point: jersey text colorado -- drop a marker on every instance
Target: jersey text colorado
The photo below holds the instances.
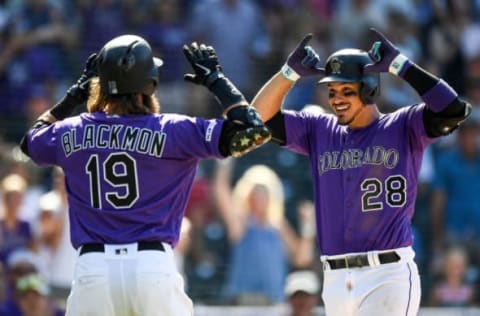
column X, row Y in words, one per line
column 355, row 157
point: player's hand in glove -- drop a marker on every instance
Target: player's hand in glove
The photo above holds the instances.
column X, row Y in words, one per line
column 386, row 56
column 204, row 62
column 303, row 61
column 78, row 93
column 80, row 89
column 244, row 130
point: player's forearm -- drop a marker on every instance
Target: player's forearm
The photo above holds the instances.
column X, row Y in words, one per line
column 268, row 100
column 436, row 93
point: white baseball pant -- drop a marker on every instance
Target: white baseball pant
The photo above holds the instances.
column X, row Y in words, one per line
column 125, row 281
column 377, row 289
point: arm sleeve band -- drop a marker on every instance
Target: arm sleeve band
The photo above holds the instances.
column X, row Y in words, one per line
column 436, row 93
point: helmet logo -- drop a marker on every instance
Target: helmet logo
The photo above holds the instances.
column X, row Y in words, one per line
column 336, row 64
column 112, row 87
column 127, row 62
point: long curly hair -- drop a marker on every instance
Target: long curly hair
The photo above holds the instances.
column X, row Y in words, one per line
column 120, row 104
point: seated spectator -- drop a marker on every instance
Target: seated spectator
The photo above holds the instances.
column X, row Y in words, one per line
column 453, row 289
column 20, row 263
column 33, row 297
column 263, row 244
column 302, row 291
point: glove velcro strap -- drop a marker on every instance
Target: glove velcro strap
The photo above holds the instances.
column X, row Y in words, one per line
column 226, row 92
column 397, row 64
column 242, row 103
column 289, row 73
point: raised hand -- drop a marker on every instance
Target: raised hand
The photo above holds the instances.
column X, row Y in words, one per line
column 80, row 89
column 205, row 64
column 386, row 56
column 303, row 61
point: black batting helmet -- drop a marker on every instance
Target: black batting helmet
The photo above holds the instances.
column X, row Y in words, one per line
column 346, row 65
column 126, row 65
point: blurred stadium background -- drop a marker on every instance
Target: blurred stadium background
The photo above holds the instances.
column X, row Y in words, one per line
column 44, row 43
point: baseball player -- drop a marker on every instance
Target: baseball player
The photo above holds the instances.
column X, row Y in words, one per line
column 129, row 170
column 364, row 165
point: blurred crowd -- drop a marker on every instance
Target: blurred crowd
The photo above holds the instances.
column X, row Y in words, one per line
column 231, row 254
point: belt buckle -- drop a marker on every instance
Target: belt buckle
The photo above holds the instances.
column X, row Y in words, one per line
column 356, row 261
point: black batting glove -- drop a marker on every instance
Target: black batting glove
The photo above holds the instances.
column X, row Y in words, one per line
column 78, row 93
column 204, row 62
column 244, row 130
column 80, row 89
column 208, row 72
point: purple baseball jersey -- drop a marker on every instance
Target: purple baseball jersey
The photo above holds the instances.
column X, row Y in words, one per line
column 128, row 178
column 365, row 180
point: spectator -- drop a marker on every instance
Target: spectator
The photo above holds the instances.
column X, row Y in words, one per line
column 206, row 256
column 166, row 30
column 302, row 291
column 33, row 297
column 15, row 232
column 55, row 247
column 455, row 204
column 20, row 264
column 247, row 38
column 453, row 289
column 259, row 234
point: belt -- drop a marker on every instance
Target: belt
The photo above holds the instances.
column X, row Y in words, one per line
column 358, row 261
column 141, row 245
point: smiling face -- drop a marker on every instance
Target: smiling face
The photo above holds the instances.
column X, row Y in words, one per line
column 345, row 102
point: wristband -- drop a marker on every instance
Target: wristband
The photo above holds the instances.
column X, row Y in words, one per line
column 226, row 92
column 397, row 64
column 289, row 73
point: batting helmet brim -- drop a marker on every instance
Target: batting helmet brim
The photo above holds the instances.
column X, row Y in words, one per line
column 339, row 79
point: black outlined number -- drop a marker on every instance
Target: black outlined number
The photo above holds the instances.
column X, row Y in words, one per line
column 119, row 170
column 372, row 189
column 395, row 193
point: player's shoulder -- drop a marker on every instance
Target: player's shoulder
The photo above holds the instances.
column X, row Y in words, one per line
column 404, row 112
column 311, row 111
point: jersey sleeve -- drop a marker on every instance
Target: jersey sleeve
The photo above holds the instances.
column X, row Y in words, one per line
column 42, row 144
column 195, row 137
column 301, row 127
column 416, row 126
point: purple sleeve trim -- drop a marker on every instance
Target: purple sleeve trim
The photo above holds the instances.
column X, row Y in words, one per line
column 439, row 96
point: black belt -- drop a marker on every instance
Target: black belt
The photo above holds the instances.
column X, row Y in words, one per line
column 358, row 261
column 141, row 245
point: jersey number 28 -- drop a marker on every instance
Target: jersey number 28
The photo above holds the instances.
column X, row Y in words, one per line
column 395, row 189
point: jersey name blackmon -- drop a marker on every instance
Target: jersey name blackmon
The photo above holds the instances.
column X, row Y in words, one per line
column 114, row 137
column 356, row 157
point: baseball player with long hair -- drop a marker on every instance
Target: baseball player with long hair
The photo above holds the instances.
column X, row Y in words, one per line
column 129, row 171
column 365, row 167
